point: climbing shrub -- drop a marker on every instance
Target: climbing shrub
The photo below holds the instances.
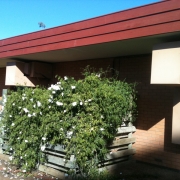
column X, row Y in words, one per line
column 82, row 115
column 23, row 116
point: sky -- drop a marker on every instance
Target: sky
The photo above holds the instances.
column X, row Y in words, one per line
column 22, row 16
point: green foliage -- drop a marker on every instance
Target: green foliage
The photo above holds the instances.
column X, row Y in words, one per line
column 96, row 175
column 82, row 115
column 22, row 119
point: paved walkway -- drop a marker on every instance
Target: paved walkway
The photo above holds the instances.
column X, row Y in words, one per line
column 127, row 171
column 143, row 171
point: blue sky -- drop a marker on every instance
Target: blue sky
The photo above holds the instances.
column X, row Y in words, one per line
column 22, row 16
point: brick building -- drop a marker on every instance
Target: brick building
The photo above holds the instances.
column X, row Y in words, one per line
column 141, row 43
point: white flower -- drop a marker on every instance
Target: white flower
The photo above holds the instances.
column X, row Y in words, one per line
column 20, row 132
column 18, row 138
column 34, row 106
column 40, row 113
column 34, row 114
column 65, row 78
column 62, row 94
column 73, row 87
column 50, row 96
column 29, row 115
column 64, row 111
column 10, row 158
column 24, row 94
column 98, row 75
column 81, row 103
column 69, row 134
column 33, row 92
column 43, row 138
column 23, row 98
column 19, row 107
column 102, row 129
column 21, row 157
column 26, row 141
column 50, row 100
column 31, row 99
column 58, row 82
column 59, row 103
column 25, row 110
column 92, row 128
column 13, row 104
column 24, row 170
column 38, row 104
column 49, row 107
column 43, row 148
column 54, row 87
column 102, row 116
column 53, row 92
column 74, row 103
column 61, row 129
column 10, row 116
column 12, row 124
column 89, row 100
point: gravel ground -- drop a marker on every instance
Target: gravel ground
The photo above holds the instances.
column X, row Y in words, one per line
column 8, row 172
column 125, row 171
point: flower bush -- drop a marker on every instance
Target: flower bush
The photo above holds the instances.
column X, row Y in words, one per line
column 22, row 118
column 82, row 115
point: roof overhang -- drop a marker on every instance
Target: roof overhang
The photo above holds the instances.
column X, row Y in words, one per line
column 128, row 32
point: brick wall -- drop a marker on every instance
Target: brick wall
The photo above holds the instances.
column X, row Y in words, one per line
column 155, row 103
column 74, row 68
column 154, row 122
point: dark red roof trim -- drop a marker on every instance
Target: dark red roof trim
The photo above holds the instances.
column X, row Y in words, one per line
column 158, row 18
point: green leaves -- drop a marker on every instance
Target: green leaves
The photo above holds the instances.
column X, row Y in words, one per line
column 82, row 115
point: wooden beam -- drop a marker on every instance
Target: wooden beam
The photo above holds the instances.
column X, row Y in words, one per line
column 124, row 141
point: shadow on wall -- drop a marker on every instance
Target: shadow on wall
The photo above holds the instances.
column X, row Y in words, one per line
column 2, row 79
column 155, row 102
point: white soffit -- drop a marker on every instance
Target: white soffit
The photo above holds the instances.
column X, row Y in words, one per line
column 165, row 68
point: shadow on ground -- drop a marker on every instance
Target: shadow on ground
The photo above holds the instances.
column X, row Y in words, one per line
column 133, row 170
column 130, row 170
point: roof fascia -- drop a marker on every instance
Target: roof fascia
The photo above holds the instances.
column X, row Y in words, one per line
column 145, row 10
